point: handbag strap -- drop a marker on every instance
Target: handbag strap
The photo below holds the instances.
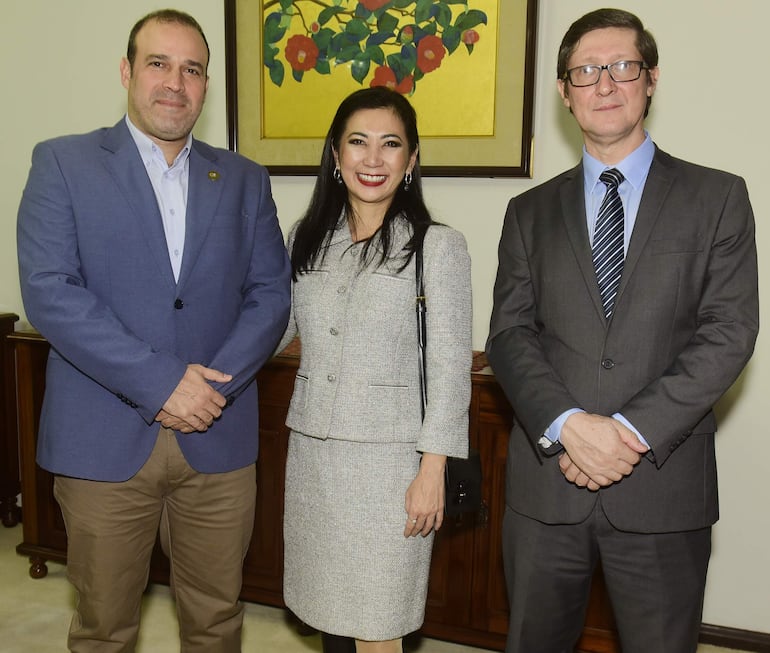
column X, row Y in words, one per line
column 421, row 330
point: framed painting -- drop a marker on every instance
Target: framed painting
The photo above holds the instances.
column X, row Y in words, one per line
column 467, row 67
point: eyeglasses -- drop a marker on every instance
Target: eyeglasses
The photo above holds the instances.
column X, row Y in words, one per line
column 620, row 71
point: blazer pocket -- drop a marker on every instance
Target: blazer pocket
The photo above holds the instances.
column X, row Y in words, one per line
column 299, row 396
column 676, row 245
column 390, row 293
column 385, row 413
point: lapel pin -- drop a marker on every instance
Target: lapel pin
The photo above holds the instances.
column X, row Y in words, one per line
column 213, row 175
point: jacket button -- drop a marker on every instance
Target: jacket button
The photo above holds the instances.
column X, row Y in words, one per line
column 178, row 304
column 331, row 377
column 333, row 331
column 608, row 363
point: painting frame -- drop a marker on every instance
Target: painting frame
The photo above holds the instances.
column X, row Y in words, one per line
column 505, row 154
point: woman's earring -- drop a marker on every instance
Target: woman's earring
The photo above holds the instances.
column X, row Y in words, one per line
column 407, row 180
column 337, row 174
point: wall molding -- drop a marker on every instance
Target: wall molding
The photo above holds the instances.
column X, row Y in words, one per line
column 741, row 640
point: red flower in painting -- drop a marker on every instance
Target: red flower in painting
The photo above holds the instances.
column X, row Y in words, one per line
column 301, row 52
column 430, row 52
column 470, row 36
column 371, row 5
column 384, row 76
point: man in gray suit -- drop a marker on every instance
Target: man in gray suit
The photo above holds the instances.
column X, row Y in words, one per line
column 625, row 305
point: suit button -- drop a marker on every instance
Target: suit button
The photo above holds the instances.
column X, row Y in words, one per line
column 333, row 331
column 608, row 363
column 178, row 304
column 331, row 378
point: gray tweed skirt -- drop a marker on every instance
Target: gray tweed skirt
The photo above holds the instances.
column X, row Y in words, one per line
column 348, row 569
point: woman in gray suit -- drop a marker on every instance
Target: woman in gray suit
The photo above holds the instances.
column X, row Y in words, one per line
column 365, row 476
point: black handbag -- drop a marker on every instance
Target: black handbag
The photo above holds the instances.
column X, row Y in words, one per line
column 462, row 475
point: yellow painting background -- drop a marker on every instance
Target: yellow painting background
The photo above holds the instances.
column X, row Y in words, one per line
column 456, row 99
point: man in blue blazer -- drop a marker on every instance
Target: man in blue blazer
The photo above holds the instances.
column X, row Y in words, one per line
column 625, row 305
column 155, row 267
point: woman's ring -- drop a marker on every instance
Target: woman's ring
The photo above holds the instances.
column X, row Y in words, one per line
column 414, row 521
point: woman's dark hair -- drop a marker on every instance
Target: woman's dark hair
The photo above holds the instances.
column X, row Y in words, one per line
column 331, row 198
column 601, row 19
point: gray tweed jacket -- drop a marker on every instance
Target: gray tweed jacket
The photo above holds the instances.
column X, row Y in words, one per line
column 358, row 376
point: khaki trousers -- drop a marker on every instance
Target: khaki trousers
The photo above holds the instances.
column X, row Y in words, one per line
column 205, row 523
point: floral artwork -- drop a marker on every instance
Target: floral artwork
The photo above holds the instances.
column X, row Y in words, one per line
column 393, row 43
column 467, row 67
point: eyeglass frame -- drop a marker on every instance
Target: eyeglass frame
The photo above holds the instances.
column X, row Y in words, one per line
column 642, row 66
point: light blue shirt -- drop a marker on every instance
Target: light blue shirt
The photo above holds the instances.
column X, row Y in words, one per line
column 170, row 185
column 634, row 168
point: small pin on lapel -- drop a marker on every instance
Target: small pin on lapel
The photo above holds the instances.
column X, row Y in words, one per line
column 213, row 175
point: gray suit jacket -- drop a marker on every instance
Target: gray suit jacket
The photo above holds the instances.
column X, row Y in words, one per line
column 684, row 326
column 358, row 376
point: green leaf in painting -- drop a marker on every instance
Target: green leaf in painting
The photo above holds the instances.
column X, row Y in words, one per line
column 348, row 53
column 470, row 19
column 376, row 54
column 451, row 39
column 422, row 11
column 360, row 68
column 378, row 38
column 268, row 53
column 387, row 23
column 327, row 14
column 276, row 73
column 323, row 39
column 357, row 28
column 273, row 32
column 443, row 14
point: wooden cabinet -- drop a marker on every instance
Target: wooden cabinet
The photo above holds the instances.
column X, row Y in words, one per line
column 466, row 598
column 9, row 444
column 43, row 527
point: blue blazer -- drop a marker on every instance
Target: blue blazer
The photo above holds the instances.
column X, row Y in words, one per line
column 97, row 282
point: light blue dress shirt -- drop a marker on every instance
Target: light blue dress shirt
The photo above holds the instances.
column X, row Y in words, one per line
column 634, row 168
column 170, row 185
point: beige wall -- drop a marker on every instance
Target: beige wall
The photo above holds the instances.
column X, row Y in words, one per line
column 60, row 75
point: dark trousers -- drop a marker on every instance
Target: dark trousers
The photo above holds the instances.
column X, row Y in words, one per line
column 655, row 582
column 337, row 644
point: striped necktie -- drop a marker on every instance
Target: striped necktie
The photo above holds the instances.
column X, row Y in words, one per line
column 608, row 240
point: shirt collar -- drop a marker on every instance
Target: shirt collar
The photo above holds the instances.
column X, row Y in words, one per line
column 149, row 151
column 634, row 167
